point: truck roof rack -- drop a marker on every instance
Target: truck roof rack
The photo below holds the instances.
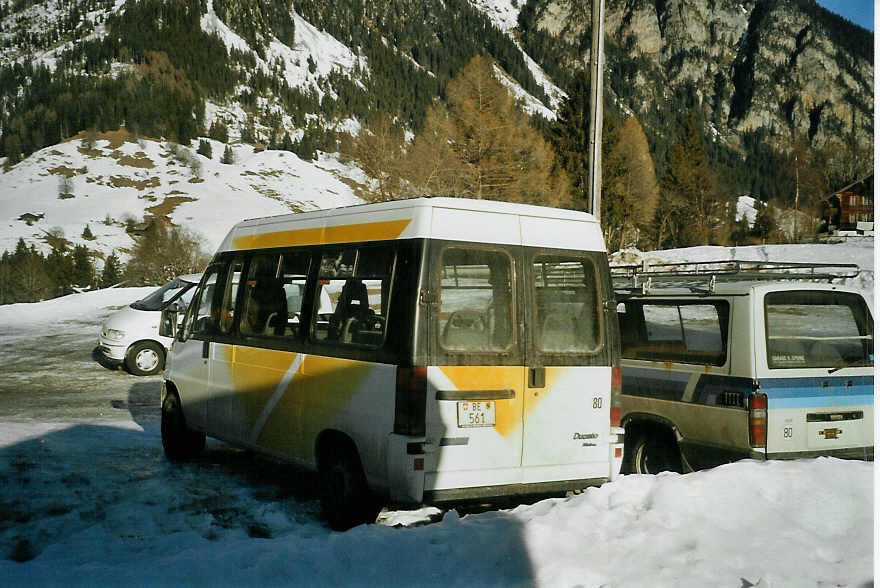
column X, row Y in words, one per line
column 701, row 276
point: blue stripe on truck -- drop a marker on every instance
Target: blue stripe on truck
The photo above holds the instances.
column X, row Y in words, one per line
column 820, row 401
column 818, row 391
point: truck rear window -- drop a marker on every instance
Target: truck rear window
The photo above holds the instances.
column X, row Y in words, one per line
column 810, row 328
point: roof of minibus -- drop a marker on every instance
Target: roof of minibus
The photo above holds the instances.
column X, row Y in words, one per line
column 459, row 219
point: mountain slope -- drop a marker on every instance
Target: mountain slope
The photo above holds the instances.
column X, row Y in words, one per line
column 760, row 71
column 112, row 181
column 293, row 74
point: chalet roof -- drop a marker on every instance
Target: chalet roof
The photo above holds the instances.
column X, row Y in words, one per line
column 862, row 187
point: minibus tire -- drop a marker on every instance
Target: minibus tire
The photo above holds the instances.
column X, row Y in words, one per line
column 179, row 441
column 142, row 350
column 653, row 453
column 345, row 497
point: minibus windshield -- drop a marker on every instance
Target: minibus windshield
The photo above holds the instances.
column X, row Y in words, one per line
column 814, row 328
column 160, row 298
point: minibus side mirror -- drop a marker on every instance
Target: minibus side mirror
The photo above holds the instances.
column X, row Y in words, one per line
column 168, row 322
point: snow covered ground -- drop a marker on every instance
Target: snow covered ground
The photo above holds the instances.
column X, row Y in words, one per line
column 88, row 499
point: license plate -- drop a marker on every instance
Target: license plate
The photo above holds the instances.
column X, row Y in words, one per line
column 473, row 413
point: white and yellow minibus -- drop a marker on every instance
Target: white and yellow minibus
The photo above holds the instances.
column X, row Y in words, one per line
column 423, row 350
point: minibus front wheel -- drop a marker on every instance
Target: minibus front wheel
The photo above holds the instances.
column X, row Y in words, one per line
column 345, row 496
column 179, row 441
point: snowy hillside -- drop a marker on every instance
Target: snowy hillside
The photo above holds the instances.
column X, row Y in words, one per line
column 103, row 184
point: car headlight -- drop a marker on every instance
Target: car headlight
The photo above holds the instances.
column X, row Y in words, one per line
column 113, row 334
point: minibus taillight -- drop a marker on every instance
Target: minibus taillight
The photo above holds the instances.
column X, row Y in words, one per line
column 616, row 389
column 409, row 401
column 758, row 420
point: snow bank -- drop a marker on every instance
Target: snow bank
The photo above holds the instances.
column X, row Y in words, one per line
column 74, row 307
column 111, row 511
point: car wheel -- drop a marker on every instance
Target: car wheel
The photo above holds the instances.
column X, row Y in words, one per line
column 653, row 453
column 179, row 441
column 345, row 497
column 145, row 358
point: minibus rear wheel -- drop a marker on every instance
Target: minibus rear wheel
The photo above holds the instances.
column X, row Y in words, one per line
column 345, row 497
column 179, row 441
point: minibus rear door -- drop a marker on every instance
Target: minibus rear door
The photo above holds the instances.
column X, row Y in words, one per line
column 475, row 389
column 568, row 389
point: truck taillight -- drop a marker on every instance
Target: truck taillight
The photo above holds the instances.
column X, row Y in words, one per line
column 409, row 401
column 616, row 388
column 758, row 420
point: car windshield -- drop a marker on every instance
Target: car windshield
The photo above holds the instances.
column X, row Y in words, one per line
column 809, row 329
column 159, row 299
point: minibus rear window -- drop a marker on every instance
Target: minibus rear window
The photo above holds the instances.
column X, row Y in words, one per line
column 476, row 301
column 814, row 328
column 566, row 304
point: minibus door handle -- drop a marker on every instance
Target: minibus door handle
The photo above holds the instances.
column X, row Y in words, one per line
column 206, row 346
column 537, row 377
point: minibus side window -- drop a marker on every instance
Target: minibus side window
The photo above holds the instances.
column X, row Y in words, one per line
column 206, row 310
column 273, row 294
column 264, row 306
column 230, row 293
column 353, row 296
column 294, row 274
column 475, row 312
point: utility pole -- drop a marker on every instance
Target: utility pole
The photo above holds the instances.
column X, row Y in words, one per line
column 797, row 193
column 597, row 61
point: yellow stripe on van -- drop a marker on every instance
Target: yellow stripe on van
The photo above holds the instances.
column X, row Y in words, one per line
column 509, row 414
column 321, row 391
column 375, row 231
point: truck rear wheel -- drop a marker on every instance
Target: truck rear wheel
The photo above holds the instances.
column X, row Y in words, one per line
column 652, row 453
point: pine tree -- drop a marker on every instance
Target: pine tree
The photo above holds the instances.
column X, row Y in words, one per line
column 691, row 206
column 484, row 145
column 629, row 185
column 6, row 278
column 112, row 272
column 568, row 135
column 30, row 282
column 87, row 234
column 378, row 151
column 219, row 131
column 59, row 267
column 205, row 149
column 163, row 253
column 228, row 156
column 83, row 271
